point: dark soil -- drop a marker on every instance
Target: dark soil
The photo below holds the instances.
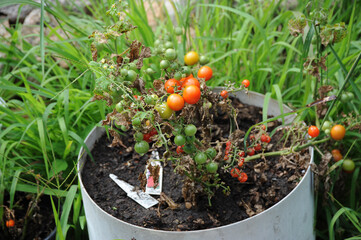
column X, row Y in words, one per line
column 269, row 180
column 38, row 224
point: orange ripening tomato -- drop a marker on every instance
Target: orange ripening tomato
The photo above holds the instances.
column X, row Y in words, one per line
column 337, row 156
column 175, row 102
column 245, row 83
column 334, row 151
column 10, row 223
column 191, row 58
column 224, row 94
column 170, row 84
column 205, row 72
column 190, row 81
column 191, row 94
column 338, row 132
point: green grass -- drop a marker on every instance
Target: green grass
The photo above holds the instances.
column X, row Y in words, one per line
column 49, row 109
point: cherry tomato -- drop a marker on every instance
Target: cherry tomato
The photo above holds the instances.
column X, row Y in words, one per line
column 138, row 136
column 191, row 58
column 313, row 131
column 258, row 147
column 164, row 110
column 146, row 137
column 334, row 151
column 179, row 140
column 164, row 64
column 180, row 149
column 240, row 162
column 252, row 138
column 224, row 94
column 119, row 106
column 338, row 132
column 250, row 151
column 263, row 127
column 178, row 31
column 141, row 147
column 200, row 158
column 245, row 83
column 337, row 156
column 190, row 81
column 170, row 54
column 10, row 223
column 170, row 84
column 190, row 130
column 211, row 153
column 203, row 60
column 235, row 172
column 241, row 154
column 205, row 72
column 326, row 125
column 131, row 75
column 191, row 94
column 243, row 177
column 175, row 102
column 212, row 167
column 136, row 122
column 348, row 165
column 153, row 132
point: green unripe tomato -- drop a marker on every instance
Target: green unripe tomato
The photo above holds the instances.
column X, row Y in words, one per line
column 203, row 60
column 207, row 105
column 149, row 71
column 212, row 167
column 178, row 31
column 157, row 42
column 132, row 75
column 328, row 131
column 344, row 97
column 124, row 128
column 190, row 130
column 211, row 153
column 168, row 45
column 166, row 38
column 177, row 76
column 326, row 125
column 189, row 148
column 350, row 96
column 179, row 140
column 119, row 106
column 136, row 122
column 200, row 158
column 190, row 139
column 170, row 54
column 124, row 72
column 348, row 165
column 138, row 136
column 164, row 110
column 141, row 147
column 132, row 66
column 177, row 131
column 151, row 99
column 186, row 70
column 164, row 64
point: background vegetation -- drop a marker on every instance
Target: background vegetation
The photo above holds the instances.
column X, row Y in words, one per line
column 47, row 89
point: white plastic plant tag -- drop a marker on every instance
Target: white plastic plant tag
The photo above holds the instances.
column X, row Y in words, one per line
column 154, row 175
column 139, row 196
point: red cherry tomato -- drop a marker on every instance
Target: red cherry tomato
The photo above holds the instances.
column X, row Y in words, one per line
column 243, row 177
column 224, row 94
column 313, row 131
column 146, row 137
column 190, row 81
column 258, row 147
column 205, row 72
column 250, row 151
column 170, row 84
column 175, row 102
column 10, row 223
column 240, row 162
column 245, row 83
column 235, row 172
column 180, row 149
column 191, row 94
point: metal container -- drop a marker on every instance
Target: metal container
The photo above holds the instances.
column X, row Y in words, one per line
column 291, row 218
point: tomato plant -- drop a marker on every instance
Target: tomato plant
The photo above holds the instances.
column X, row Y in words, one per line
column 313, row 131
column 175, row 102
column 172, row 84
column 191, row 94
column 205, row 72
column 191, row 58
column 338, row 132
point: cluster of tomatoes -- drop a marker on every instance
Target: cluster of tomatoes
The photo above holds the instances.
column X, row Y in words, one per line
column 337, row 132
column 188, row 89
column 236, row 172
column 225, row 94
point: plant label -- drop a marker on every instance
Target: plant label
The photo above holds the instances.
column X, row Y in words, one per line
column 154, row 175
column 139, row 196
